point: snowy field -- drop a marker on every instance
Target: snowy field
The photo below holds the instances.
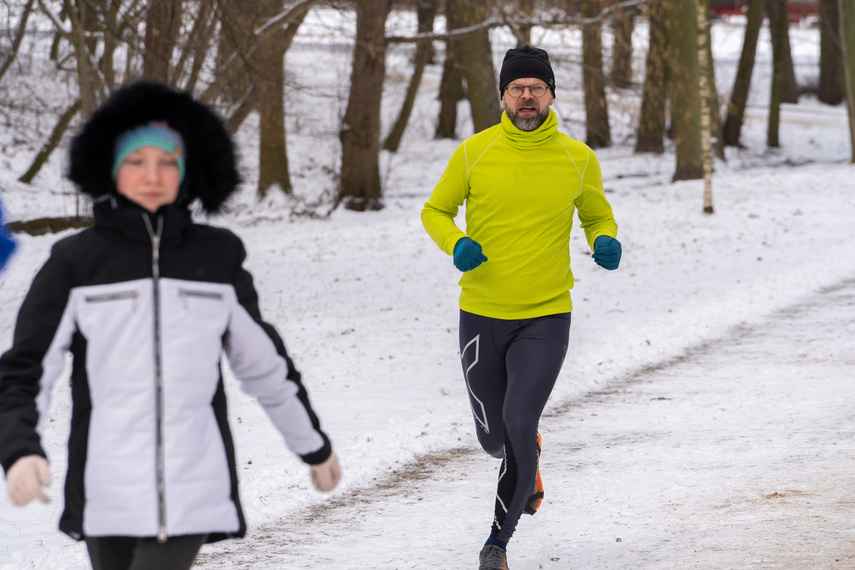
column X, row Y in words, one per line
column 367, row 306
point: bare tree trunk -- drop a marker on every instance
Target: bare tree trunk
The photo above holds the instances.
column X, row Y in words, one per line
column 779, row 20
column 16, row 41
column 272, row 152
column 681, row 33
column 53, row 141
column 847, row 37
column 252, row 47
column 237, row 43
column 598, row 134
column 474, row 57
column 831, row 90
column 523, row 33
column 201, row 47
column 195, row 47
column 705, row 63
column 450, row 93
column 232, row 76
column 735, row 115
column 236, row 82
column 360, row 187
column 572, row 7
column 451, row 85
column 243, row 110
column 161, row 28
column 111, row 40
column 623, row 24
column 85, row 77
column 651, row 123
column 273, row 167
column 778, row 73
column 426, row 13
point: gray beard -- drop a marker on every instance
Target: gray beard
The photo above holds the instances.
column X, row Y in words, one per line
column 528, row 124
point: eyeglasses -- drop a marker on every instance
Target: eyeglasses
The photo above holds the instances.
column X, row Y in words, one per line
column 516, row 90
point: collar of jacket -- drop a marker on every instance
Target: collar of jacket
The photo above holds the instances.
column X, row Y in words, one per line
column 120, row 217
column 528, row 139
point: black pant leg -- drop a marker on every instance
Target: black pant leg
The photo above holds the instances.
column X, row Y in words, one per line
column 132, row 553
column 111, row 552
column 177, row 553
column 534, row 359
column 486, row 379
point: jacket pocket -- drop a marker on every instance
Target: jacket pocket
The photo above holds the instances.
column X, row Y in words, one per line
column 210, row 295
column 107, row 297
column 196, row 320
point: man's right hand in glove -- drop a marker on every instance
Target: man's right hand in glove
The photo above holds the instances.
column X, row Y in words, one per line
column 467, row 254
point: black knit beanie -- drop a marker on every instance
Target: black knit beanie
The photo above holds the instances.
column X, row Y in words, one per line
column 526, row 61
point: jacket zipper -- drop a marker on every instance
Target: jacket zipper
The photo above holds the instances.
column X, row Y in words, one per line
column 158, row 371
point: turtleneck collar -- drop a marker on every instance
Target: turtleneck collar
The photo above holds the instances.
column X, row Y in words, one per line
column 119, row 216
column 528, row 139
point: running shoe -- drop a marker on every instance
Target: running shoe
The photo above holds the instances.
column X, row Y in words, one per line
column 493, row 558
column 536, row 496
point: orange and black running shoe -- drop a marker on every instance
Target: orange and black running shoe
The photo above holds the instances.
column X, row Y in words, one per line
column 536, row 497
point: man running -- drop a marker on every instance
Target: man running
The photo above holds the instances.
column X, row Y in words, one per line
column 521, row 182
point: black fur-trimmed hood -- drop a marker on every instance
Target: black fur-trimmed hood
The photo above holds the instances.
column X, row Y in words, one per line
column 210, row 168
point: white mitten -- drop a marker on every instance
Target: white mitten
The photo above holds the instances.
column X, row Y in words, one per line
column 25, row 479
column 326, row 475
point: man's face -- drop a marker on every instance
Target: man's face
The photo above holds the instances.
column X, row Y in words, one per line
column 526, row 111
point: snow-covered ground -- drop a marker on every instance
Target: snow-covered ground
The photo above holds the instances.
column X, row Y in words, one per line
column 682, row 464
column 367, row 305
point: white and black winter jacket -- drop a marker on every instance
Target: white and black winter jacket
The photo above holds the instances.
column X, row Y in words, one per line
column 147, row 304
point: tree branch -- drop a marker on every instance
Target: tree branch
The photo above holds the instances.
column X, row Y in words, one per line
column 19, row 35
column 497, row 22
column 286, row 17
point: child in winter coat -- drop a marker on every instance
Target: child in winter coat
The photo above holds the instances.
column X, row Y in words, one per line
column 146, row 301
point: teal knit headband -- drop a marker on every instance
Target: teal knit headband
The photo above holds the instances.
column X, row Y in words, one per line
column 153, row 134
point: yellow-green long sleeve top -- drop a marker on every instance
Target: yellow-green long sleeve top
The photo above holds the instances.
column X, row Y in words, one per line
column 520, row 190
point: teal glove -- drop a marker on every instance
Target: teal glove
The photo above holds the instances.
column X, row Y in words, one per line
column 607, row 252
column 467, row 254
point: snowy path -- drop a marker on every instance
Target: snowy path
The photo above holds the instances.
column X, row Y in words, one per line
column 727, row 457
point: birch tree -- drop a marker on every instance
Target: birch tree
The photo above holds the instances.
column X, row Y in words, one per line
column 705, row 62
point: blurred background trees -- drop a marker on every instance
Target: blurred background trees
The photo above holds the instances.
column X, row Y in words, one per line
column 231, row 54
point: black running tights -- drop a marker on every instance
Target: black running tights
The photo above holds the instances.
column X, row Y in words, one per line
column 510, row 367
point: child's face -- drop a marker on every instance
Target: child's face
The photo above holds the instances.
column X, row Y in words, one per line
column 149, row 176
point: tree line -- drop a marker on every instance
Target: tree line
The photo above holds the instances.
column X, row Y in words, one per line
column 230, row 54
